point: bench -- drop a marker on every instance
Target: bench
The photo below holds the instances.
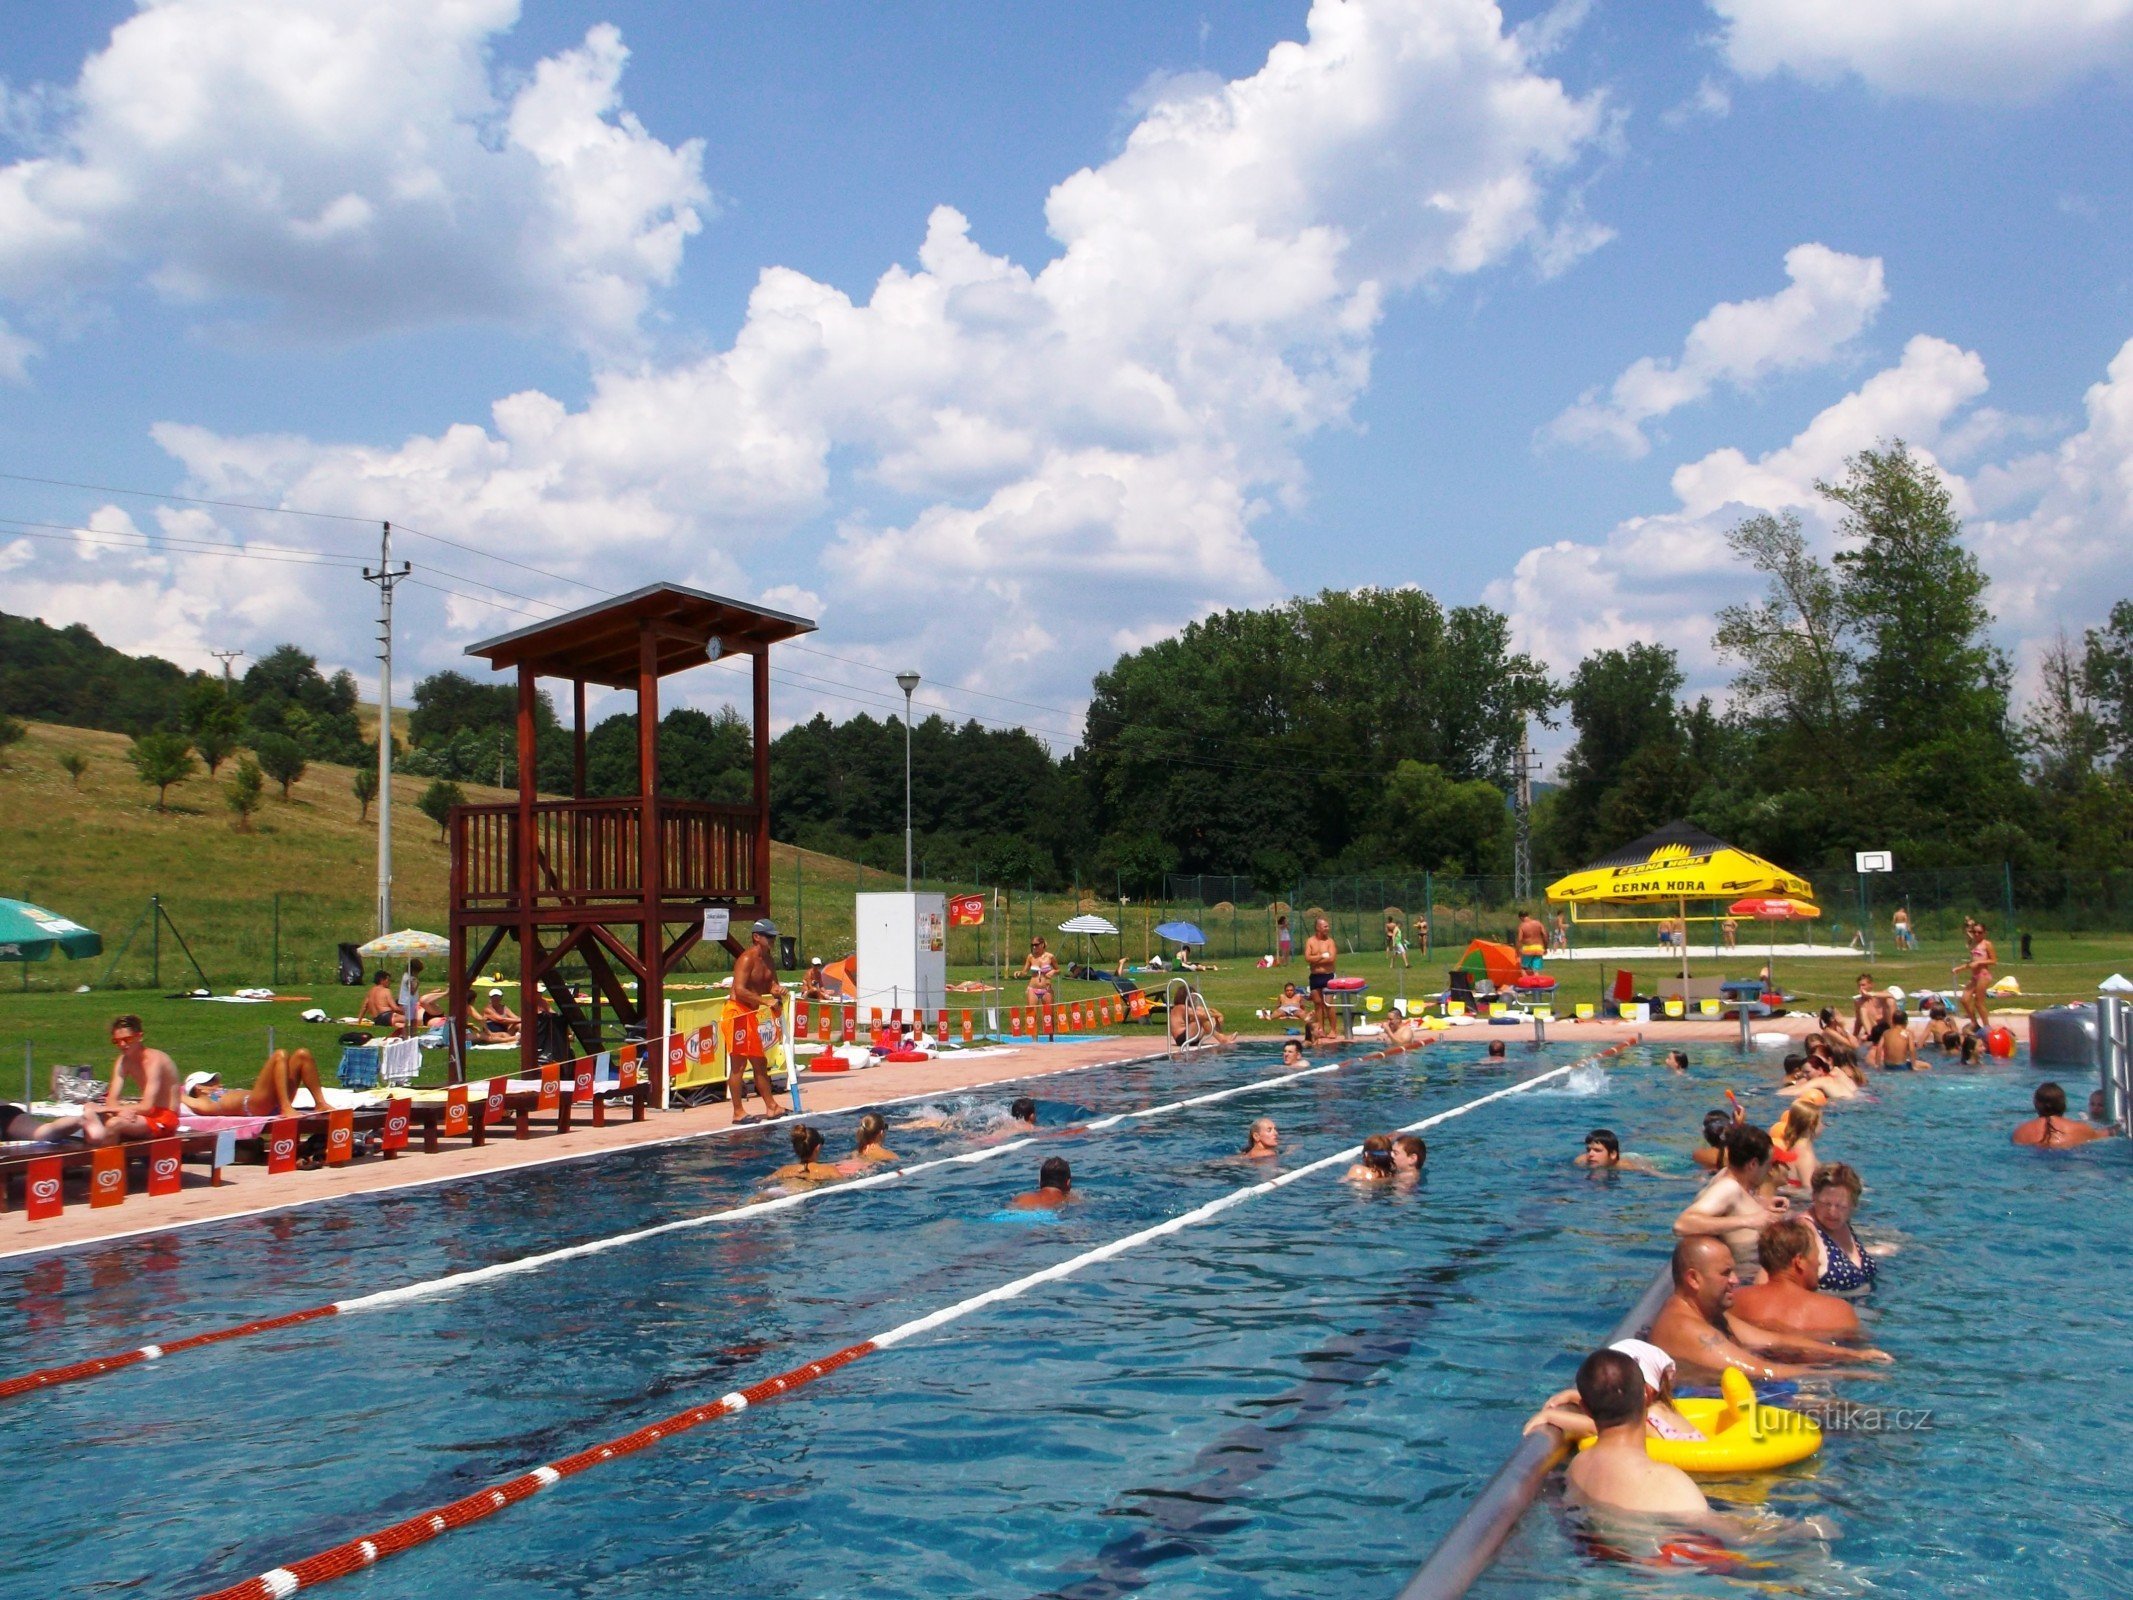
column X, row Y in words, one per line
column 522, row 1106
column 210, row 1149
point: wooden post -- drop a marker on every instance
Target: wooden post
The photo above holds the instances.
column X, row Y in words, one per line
column 651, row 948
column 577, row 738
column 761, row 731
column 527, row 872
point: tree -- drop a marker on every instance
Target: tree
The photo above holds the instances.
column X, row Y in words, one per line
column 366, row 788
column 437, row 802
column 213, row 722
column 1915, row 599
column 284, row 692
column 74, row 764
column 69, row 676
column 12, row 731
column 1620, row 702
column 2107, row 683
column 2062, row 731
column 162, row 759
column 281, row 758
column 1795, row 649
column 243, row 794
column 1433, row 821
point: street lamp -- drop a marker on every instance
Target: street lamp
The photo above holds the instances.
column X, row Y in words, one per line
column 907, row 681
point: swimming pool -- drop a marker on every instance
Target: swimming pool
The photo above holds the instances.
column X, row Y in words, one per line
column 1297, row 1398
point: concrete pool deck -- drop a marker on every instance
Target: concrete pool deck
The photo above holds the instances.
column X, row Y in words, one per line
column 249, row 1190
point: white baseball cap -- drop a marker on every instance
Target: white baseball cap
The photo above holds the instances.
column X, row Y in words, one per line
column 193, row 1080
column 1656, row 1365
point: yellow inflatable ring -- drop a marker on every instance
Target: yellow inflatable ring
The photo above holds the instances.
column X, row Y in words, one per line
column 1741, row 1435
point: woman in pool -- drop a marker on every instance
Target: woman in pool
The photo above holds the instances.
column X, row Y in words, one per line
column 2052, row 1128
column 1262, row 1141
column 1716, row 1125
column 805, row 1170
column 1792, row 1144
column 867, row 1145
column 1844, row 1265
column 1376, row 1165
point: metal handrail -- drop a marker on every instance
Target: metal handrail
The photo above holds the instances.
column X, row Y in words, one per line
column 1464, row 1553
column 1193, row 1004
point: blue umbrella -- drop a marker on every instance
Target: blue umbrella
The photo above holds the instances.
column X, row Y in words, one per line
column 1181, row 933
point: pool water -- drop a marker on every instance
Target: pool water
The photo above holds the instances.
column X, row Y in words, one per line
column 1297, row 1398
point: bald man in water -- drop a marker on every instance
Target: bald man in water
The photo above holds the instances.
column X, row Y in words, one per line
column 1695, row 1328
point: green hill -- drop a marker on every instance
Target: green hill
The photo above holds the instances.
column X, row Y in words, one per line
column 266, row 907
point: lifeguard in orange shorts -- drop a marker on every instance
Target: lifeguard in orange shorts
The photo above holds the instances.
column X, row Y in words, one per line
column 755, row 985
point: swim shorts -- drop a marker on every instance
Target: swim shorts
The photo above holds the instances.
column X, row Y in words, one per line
column 8, row 1114
column 1319, row 980
column 161, row 1123
column 741, row 1029
column 1530, row 961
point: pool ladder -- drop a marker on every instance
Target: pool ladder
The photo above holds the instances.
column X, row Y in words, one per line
column 1195, row 1008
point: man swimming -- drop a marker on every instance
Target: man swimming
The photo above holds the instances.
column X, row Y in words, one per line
column 1023, row 1112
column 1617, row 1474
column 1496, row 1050
column 1786, row 1301
column 1603, row 1153
column 1693, row 1326
column 1729, row 1207
column 1409, row 1155
column 1055, row 1188
column 1564, row 1412
column 1677, row 1060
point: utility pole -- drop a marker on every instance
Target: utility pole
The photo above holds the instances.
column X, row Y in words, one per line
column 1522, row 817
column 226, row 657
column 385, row 577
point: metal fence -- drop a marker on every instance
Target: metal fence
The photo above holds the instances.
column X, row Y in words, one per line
column 287, row 940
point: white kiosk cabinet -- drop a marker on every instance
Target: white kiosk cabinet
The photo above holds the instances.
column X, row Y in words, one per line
column 903, row 952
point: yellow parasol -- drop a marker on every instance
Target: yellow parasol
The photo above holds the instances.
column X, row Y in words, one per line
column 1678, row 863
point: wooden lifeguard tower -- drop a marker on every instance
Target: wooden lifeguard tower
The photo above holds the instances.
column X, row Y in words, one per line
column 619, row 883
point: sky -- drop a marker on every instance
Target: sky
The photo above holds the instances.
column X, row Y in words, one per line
column 1001, row 340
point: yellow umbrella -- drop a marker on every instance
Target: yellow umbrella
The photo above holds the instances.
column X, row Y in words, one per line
column 1679, row 863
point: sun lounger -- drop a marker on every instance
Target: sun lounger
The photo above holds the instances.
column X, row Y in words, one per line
column 520, row 1104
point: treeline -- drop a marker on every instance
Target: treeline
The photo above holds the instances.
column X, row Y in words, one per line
column 1370, row 730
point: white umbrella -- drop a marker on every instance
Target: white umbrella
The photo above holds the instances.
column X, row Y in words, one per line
column 1085, row 924
column 409, row 944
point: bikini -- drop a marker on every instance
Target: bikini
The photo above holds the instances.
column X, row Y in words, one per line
column 1842, row 1275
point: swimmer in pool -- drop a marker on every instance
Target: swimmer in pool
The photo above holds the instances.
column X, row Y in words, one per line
column 1786, row 1301
column 805, row 1171
column 1729, row 1206
column 1695, row 1328
column 1409, row 1155
column 1055, row 1188
column 2052, row 1128
column 1262, row 1141
column 1563, row 1412
column 1024, row 1113
column 1716, row 1125
column 1496, row 1050
column 1292, row 1054
column 1616, row 1474
column 1677, row 1060
column 1376, row 1165
column 1603, row 1153
column 867, row 1146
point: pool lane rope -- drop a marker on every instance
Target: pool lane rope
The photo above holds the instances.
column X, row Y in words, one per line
column 96, row 1367
column 354, row 1555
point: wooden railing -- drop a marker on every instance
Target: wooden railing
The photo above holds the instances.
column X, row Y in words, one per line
column 590, row 852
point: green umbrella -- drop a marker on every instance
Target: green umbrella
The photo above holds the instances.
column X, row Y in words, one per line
column 31, row 933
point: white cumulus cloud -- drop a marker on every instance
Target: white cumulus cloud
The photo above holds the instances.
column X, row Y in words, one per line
column 1973, row 49
column 1831, row 299
column 349, row 168
column 1011, row 465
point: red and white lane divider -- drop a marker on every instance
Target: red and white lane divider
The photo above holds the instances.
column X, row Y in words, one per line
column 48, row 1377
column 277, row 1583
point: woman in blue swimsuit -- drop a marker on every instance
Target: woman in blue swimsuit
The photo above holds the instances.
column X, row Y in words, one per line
column 1848, row 1267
